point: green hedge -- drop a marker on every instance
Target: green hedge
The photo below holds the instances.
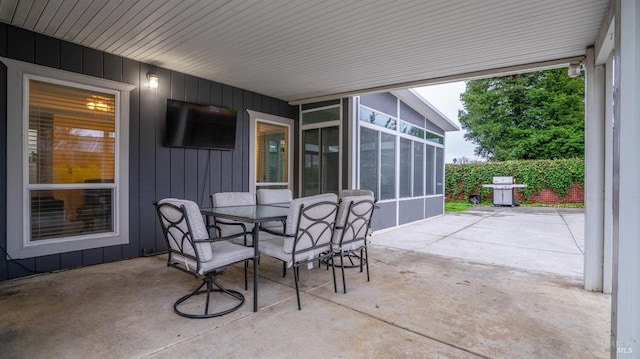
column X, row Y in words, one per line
column 556, row 175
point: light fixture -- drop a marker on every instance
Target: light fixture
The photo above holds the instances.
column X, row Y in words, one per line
column 153, row 80
column 575, row 69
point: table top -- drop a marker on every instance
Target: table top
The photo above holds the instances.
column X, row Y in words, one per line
column 249, row 214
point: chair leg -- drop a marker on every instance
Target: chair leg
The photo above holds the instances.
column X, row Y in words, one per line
column 344, row 283
column 246, row 265
column 333, row 269
column 366, row 260
column 296, row 277
column 210, row 282
column 284, row 269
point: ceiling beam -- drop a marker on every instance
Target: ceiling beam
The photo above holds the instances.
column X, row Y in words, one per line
column 497, row 72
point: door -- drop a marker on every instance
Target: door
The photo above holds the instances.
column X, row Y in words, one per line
column 321, row 161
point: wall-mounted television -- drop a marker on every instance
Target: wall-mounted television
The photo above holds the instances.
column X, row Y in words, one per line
column 200, row 126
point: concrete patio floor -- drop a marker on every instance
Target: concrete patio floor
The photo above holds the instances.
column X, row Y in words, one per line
column 544, row 239
column 417, row 305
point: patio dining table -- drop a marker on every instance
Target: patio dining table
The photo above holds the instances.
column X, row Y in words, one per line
column 255, row 214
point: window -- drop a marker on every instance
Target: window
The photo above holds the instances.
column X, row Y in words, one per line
column 429, row 170
column 71, row 178
column 398, row 159
column 405, row 167
column 270, row 151
column 439, row 170
column 369, row 160
column 418, row 169
column 432, row 137
column 71, row 142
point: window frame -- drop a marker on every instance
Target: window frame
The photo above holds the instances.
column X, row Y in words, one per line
column 19, row 243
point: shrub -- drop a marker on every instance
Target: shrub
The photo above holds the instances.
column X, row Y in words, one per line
column 556, row 175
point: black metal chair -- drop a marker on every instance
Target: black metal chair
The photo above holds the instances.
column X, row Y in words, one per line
column 307, row 236
column 352, row 232
column 192, row 251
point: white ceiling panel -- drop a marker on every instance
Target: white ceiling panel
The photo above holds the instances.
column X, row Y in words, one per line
column 300, row 50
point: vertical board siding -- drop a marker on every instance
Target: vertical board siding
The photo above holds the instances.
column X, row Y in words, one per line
column 3, row 39
column 70, row 57
column 47, row 51
column 20, row 44
column 155, row 171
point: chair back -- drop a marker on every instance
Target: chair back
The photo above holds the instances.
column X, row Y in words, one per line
column 230, row 228
column 355, row 192
column 310, row 225
column 226, row 199
column 354, row 220
column 269, row 196
column 183, row 228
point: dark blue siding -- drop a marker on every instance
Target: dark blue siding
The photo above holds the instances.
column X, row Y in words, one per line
column 155, row 171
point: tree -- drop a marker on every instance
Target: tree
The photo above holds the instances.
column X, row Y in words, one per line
column 537, row 115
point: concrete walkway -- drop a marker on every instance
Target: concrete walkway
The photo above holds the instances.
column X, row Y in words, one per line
column 541, row 239
column 417, row 305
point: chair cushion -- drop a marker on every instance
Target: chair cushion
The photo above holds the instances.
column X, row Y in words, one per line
column 296, row 205
column 343, row 211
column 355, row 192
column 224, row 254
column 198, row 228
column 273, row 246
column 268, row 196
column 223, row 199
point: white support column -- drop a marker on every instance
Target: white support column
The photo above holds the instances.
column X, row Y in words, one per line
column 625, row 300
column 594, row 174
column 607, row 275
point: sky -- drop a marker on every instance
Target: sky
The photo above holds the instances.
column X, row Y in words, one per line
column 446, row 98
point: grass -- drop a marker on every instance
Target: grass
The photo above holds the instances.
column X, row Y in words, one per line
column 456, row 206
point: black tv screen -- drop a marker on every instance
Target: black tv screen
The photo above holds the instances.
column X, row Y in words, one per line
column 199, row 126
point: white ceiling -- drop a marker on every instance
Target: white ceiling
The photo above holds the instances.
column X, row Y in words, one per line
column 301, row 50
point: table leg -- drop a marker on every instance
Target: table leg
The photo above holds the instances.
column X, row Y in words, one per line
column 256, row 256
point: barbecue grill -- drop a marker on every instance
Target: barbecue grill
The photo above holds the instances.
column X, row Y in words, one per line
column 503, row 190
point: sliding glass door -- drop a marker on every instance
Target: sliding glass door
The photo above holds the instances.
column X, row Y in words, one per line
column 320, row 143
column 321, row 161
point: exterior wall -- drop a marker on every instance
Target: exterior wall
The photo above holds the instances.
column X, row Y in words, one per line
column 155, row 171
column 410, row 210
column 384, row 216
column 383, row 102
column 434, row 206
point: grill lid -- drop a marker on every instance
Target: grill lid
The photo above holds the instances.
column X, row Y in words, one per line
column 503, row 180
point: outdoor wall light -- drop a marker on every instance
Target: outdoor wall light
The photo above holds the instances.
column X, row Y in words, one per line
column 574, row 69
column 153, row 80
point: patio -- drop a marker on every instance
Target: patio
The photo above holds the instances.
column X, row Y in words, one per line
column 416, row 305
